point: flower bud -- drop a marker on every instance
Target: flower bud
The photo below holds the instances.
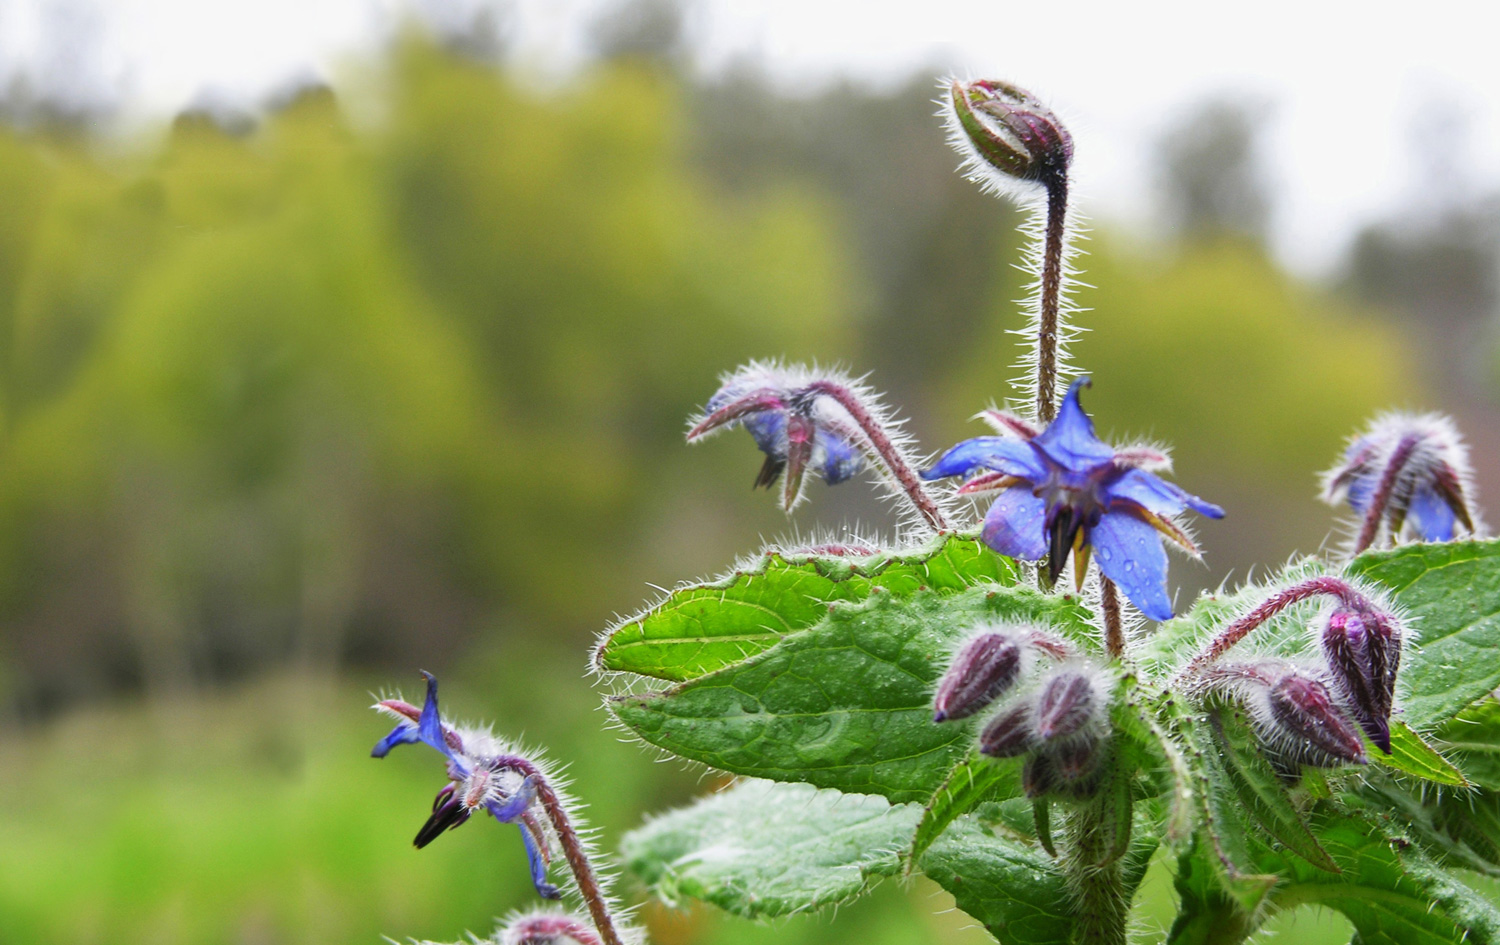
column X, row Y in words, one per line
column 549, row 928
column 1065, row 705
column 1303, row 711
column 986, row 667
column 1076, row 760
column 1007, row 129
column 1038, row 776
column 1363, row 650
column 1008, row 734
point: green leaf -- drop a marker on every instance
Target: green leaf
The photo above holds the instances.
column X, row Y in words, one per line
column 973, row 781
column 1262, row 790
column 1227, row 835
column 764, row 850
column 1151, row 747
column 1391, row 892
column 1410, row 754
column 701, row 628
column 1014, row 889
column 1451, row 591
column 846, row 704
column 1473, row 738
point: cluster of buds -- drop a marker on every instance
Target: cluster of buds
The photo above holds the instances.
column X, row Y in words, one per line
column 1314, row 714
column 806, row 421
column 1405, row 472
column 540, row 928
column 1056, row 717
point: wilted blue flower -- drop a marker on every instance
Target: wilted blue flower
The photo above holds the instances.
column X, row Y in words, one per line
column 479, row 779
column 1064, row 491
column 797, row 429
column 1405, row 468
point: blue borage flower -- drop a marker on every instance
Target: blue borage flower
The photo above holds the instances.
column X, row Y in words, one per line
column 1064, row 491
column 480, row 778
column 1406, row 469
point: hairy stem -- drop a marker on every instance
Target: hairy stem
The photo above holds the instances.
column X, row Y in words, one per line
column 1095, row 847
column 572, row 845
column 1382, row 497
column 881, row 443
column 1054, row 239
column 1270, row 607
column 1114, row 629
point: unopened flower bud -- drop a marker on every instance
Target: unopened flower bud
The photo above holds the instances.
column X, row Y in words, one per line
column 1363, row 650
column 1007, row 129
column 985, row 667
column 1065, row 705
column 1077, row 760
column 1304, row 712
column 549, row 928
column 1008, row 734
column 1038, row 776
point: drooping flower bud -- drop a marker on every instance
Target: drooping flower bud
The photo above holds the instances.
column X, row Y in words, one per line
column 1363, row 650
column 548, row 928
column 1304, row 712
column 1065, row 705
column 1405, row 468
column 1005, row 129
column 1008, row 734
column 1038, row 776
column 985, row 667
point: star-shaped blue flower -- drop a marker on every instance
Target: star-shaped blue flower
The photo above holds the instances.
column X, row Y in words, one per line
column 1064, row 491
column 477, row 779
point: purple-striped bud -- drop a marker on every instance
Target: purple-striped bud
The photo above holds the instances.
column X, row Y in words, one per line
column 1009, row 733
column 1363, row 650
column 985, row 667
column 1004, row 128
column 1303, row 712
column 1065, row 705
column 1077, row 760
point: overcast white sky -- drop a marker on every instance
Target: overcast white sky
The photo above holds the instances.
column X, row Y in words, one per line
column 1349, row 85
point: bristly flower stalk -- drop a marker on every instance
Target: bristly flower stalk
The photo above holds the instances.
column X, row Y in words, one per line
column 1006, row 135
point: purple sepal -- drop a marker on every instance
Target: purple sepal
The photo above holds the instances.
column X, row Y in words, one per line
column 1363, row 652
column 983, row 669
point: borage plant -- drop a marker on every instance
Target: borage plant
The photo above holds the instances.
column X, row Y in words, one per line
column 1012, row 707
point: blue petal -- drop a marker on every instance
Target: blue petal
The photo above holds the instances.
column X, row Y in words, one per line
column 1156, row 495
column 403, row 734
column 1433, row 517
column 1129, row 553
column 1001, row 453
column 840, row 460
column 1069, row 439
column 428, row 730
column 769, row 430
column 538, row 867
column 1014, row 524
column 510, row 810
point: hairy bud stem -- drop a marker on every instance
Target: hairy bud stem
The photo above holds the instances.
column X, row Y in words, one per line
column 572, row 845
column 1268, row 608
column 1114, row 629
column 881, row 443
column 1054, row 240
column 1382, row 498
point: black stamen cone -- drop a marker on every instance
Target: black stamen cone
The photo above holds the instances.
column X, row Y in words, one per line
column 446, row 817
column 1061, row 531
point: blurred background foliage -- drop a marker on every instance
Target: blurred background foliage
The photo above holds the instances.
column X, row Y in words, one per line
column 396, row 376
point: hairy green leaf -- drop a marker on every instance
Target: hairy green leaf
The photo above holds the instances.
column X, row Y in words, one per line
column 1391, row 892
column 763, row 850
column 973, row 781
column 705, row 627
column 1473, row 739
column 1017, row 891
column 1410, row 754
column 1261, row 789
column 1451, row 591
column 1227, row 835
column 846, row 704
